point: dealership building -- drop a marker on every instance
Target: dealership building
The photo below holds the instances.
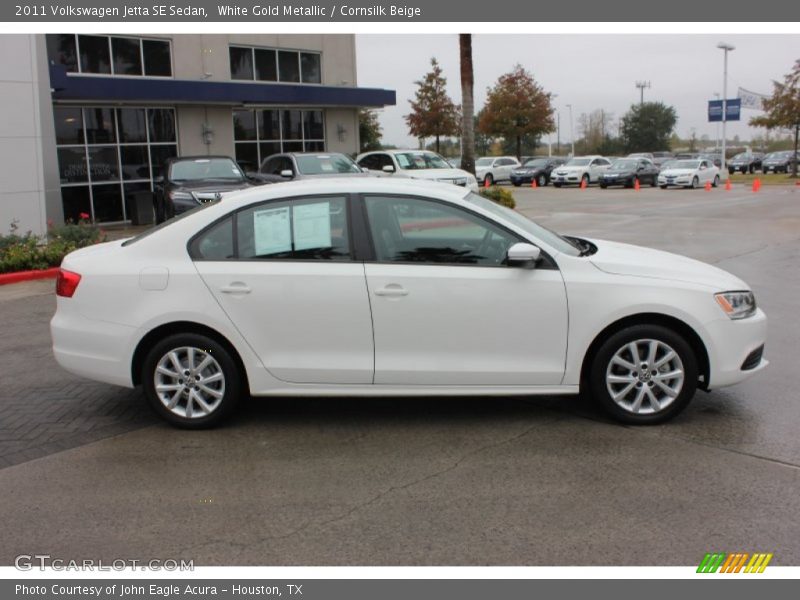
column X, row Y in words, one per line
column 88, row 120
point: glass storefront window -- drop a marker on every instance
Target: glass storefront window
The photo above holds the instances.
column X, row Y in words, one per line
column 95, row 54
column 259, row 133
column 269, row 64
column 106, row 155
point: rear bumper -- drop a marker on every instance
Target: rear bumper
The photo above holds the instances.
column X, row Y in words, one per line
column 97, row 350
column 734, row 356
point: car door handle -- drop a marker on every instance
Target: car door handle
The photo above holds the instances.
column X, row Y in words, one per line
column 237, row 287
column 392, row 290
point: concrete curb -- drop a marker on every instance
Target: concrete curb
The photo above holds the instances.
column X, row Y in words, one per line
column 6, row 278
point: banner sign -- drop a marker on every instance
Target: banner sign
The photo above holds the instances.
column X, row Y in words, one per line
column 751, row 99
column 734, row 108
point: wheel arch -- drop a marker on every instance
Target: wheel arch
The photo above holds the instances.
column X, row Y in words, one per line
column 670, row 322
column 176, row 327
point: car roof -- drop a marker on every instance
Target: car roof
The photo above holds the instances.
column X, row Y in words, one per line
column 199, row 157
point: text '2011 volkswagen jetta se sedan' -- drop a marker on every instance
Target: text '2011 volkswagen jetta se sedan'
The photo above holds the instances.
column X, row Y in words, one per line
column 369, row 287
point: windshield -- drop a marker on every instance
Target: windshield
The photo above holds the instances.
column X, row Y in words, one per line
column 321, row 164
column 578, row 162
column 622, row 165
column 685, row 164
column 205, row 168
column 484, row 162
column 421, row 160
column 534, row 229
column 741, row 156
column 536, row 162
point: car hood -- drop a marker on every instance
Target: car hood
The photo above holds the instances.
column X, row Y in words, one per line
column 205, row 187
column 677, row 172
column 436, row 173
column 638, row 261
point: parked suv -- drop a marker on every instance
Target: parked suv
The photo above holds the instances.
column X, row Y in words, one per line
column 746, row 162
column 310, row 165
column 190, row 181
column 494, row 169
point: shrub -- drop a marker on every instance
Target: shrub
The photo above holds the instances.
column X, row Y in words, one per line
column 29, row 252
column 499, row 195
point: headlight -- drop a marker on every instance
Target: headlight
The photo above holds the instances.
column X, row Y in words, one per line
column 737, row 305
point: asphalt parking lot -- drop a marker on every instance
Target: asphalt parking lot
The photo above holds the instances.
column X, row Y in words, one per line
column 87, row 472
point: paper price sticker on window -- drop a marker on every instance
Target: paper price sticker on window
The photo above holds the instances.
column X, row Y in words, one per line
column 272, row 231
column 312, row 226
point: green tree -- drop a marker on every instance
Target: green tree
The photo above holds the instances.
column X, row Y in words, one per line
column 369, row 130
column 782, row 109
column 647, row 127
column 467, row 103
column 516, row 108
column 433, row 113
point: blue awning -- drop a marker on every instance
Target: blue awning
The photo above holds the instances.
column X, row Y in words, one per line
column 97, row 88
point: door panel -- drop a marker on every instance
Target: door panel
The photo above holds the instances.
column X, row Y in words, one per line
column 465, row 325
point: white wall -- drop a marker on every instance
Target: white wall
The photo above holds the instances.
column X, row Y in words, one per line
column 28, row 170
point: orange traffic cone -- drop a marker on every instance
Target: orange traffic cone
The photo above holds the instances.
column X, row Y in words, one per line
column 534, row 185
column 486, row 182
column 583, row 184
column 707, row 186
column 636, row 184
column 727, row 185
column 756, row 184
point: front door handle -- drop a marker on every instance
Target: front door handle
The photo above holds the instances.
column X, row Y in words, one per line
column 237, row 287
column 392, row 290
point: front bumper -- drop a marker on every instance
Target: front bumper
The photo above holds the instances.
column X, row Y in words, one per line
column 617, row 180
column 683, row 180
column 569, row 178
column 734, row 347
column 520, row 178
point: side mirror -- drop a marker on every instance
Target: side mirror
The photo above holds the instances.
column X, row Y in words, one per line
column 523, row 255
column 287, row 173
column 364, row 169
column 388, row 169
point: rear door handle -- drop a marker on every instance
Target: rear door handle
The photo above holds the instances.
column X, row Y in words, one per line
column 392, row 290
column 237, row 287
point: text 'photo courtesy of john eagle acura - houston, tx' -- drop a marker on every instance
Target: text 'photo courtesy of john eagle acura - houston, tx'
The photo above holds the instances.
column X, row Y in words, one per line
column 370, row 286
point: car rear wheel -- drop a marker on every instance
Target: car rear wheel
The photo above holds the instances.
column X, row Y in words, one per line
column 695, row 182
column 644, row 374
column 191, row 380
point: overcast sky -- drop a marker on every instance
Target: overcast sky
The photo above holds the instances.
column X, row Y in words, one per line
column 587, row 71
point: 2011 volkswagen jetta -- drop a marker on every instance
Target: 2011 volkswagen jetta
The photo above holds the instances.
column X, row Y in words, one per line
column 369, row 287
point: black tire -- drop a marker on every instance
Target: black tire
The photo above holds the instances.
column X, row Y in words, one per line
column 695, row 182
column 225, row 363
column 558, row 185
column 541, row 181
column 586, row 178
column 601, row 363
column 716, row 181
column 663, row 187
column 603, row 186
column 488, row 179
column 653, row 181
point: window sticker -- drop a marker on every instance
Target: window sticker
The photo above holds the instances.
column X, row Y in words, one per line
column 312, row 226
column 272, row 231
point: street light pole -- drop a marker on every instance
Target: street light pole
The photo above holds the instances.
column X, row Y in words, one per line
column 716, row 145
column 725, row 49
column 571, row 136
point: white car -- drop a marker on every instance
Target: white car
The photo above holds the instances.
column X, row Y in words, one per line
column 375, row 287
column 580, row 169
column 690, row 173
column 494, row 169
column 415, row 164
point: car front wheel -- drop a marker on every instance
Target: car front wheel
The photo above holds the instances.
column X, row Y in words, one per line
column 191, row 380
column 644, row 374
column 541, row 181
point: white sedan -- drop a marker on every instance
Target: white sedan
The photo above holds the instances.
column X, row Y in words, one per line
column 581, row 170
column 415, row 164
column 375, row 287
column 691, row 173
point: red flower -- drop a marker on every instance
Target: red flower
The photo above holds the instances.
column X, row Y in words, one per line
column 84, row 216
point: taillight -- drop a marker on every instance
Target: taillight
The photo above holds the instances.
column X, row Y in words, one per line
column 66, row 283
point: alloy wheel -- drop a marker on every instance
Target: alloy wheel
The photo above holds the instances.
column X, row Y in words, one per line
column 189, row 382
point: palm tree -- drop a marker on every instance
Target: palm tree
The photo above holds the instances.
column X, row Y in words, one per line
column 467, row 104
